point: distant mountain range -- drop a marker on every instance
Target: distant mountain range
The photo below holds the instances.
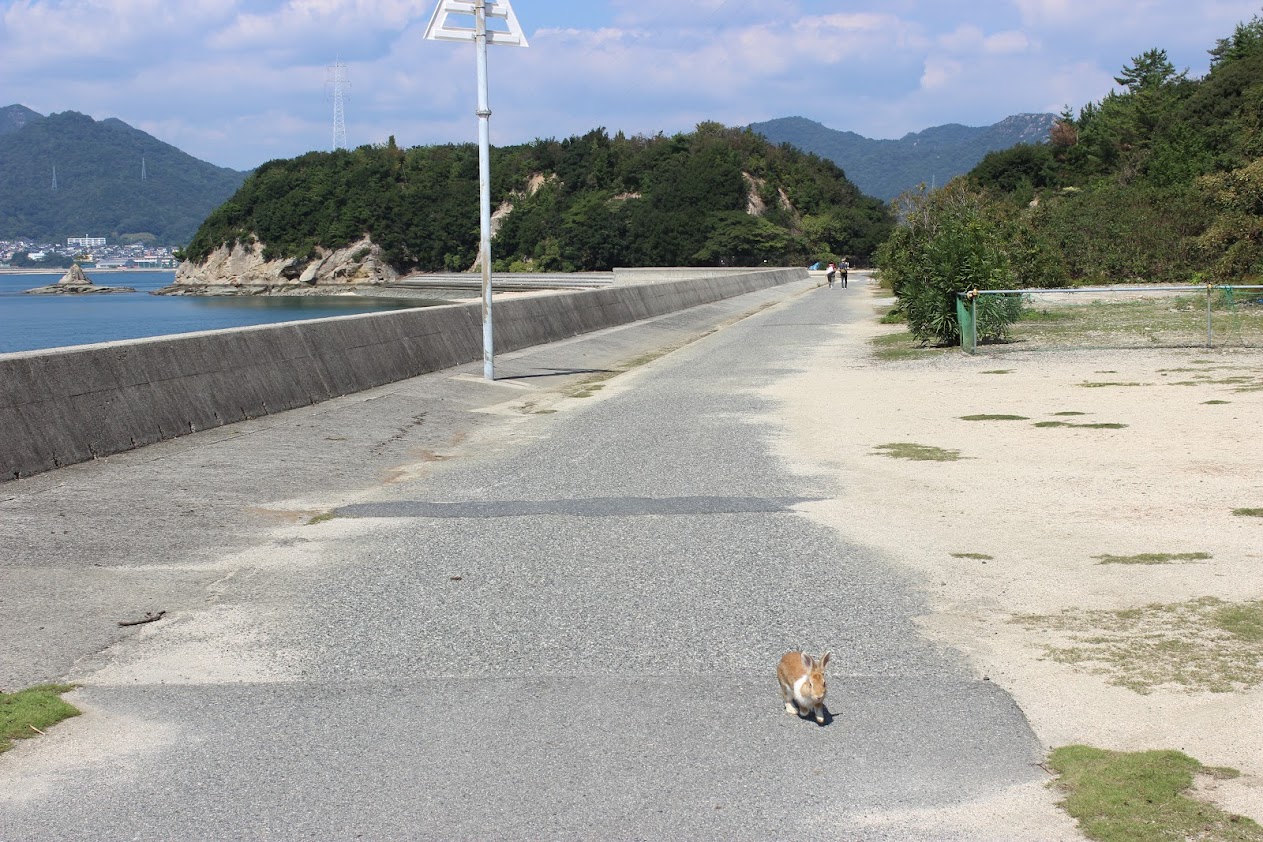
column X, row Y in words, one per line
column 886, row 168
column 67, row 175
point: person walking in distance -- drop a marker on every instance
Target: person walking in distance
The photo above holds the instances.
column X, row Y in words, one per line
column 829, row 273
column 842, row 269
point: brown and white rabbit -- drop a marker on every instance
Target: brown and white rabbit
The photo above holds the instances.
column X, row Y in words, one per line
column 802, row 683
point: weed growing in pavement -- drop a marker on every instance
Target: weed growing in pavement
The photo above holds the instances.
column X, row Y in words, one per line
column 1141, row 796
column 1248, row 512
column 975, row 556
column 28, row 712
column 587, row 390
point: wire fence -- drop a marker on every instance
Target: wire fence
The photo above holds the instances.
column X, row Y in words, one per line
column 1213, row 316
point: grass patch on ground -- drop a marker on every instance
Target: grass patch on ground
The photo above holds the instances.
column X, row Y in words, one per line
column 999, row 371
column 1204, row 644
column 28, row 712
column 1141, row 796
column 917, row 452
column 1101, row 384
column 1129, row 320
column 975, row 556
column 994, row 418
column 895, row 347
column 1060, row 314
column 587, row 390
column 321, row 518
column 1215, row 403
column 1248, row 512
column 1151, row 558
column 1106, row 425
column 894, row 316
column 1068, row 413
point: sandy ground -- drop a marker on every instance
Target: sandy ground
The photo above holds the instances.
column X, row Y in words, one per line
column 1042, row 503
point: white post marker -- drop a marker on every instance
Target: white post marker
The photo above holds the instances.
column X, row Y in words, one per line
column 441, row 30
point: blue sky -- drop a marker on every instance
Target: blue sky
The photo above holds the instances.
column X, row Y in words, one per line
column 239, row 82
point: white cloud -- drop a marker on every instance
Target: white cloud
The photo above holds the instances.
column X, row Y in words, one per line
column 297, row 20
column 239, row 81
column 1005, row 43
column 48, row 34
column 940, row 73
column 715, row 13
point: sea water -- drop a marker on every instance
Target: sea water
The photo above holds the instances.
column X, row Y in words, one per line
column 34, row 322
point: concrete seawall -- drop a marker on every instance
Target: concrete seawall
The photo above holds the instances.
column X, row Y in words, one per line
column 67, row 406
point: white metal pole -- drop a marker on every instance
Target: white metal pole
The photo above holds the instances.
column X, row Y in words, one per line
column 484, row 188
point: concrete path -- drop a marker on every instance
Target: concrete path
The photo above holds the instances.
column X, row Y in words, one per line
column 516, row 614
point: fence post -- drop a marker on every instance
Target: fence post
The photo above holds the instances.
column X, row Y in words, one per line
column 964, row 325
column 1208, row 328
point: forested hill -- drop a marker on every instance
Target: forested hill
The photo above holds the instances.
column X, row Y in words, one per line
column 1159, row 181
column 14, row 117
column 100, row 191
column 716, row 196
column 886, row 168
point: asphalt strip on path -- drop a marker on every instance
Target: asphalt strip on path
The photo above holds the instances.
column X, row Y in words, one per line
column 419, row 614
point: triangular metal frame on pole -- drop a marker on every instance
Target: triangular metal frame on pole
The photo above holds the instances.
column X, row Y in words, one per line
column 439, row 29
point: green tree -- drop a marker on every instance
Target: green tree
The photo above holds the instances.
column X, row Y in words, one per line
column 1233, row 243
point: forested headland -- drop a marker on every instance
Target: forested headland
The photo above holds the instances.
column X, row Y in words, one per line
column 1160, row 182
column 715, row 196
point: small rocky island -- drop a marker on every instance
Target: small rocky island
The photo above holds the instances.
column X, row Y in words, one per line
column 75, row 282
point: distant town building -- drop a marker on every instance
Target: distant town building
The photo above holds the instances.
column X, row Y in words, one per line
column 84, row 242
column 148, row 261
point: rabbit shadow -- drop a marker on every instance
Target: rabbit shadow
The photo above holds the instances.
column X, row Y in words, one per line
column 808, row 718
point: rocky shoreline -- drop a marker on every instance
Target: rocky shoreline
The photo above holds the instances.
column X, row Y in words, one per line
column 263, row 289
column 241, row 269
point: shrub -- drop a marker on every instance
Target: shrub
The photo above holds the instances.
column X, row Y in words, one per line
column 949, row 242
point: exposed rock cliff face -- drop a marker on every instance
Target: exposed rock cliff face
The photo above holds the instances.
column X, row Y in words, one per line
column 75, row 277
column 755, row 206
column 242, row 269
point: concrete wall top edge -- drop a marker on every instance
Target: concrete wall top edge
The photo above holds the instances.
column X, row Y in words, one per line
column 218, row 332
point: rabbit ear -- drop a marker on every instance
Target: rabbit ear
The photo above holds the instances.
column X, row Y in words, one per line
column 824, row 660
column 807, row 662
